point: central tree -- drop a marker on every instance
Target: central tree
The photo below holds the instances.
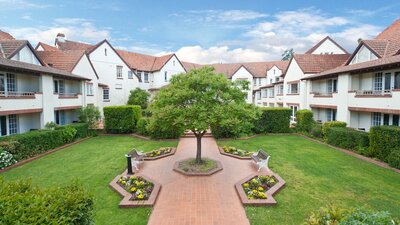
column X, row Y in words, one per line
column 201, row 99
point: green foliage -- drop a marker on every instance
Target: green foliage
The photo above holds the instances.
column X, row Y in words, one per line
column 383, row 141
column 139, row 97
column 326, row 125
column 50, row 125
column 90, row 115
column 22, row 203
column 347, row 138
column 316, row 130
column 141, row 126
column 121, row 119
column 6, row 159
column 393, row 158
column 82, row 129
column 343, row 216
column 273, row 120
column 304, row 120
column 157, row 130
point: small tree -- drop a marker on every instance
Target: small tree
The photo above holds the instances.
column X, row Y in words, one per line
column 287, row 54
column 202, row 99
column 139, row 97
column 90, row 115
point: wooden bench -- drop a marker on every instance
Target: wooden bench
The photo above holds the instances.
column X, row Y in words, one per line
column 261, row 159
column 136, row 158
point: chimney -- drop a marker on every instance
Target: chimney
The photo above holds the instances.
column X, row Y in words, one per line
column 60, row 38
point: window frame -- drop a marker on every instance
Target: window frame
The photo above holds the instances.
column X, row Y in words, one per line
column 12, row 124
column 108, row 94
column 376, row 119
column 89, row 89
column 130, row 74
column 119, row 70
column 146, row 77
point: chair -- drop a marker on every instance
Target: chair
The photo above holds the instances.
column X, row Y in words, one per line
column 261, row 159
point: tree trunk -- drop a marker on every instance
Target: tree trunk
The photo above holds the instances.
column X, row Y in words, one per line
column 198, row 154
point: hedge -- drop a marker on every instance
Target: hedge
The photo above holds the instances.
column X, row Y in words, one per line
column 273, row 120
column 82, row 129
column 347, row 138
column 157, row 131
column 304, row 119
column 22, row 203
column 141, row 126
column 326, row 125
column 121, row 119
column 385, row 142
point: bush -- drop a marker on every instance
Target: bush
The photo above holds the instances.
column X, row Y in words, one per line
column 141, row 127
column 347, row 138
column 82, row 129
column 139, row 97
column 393, row 158
column 90, row 115
column 158, row 131
column 304, row 120
column 343, row 216
column 316, row 130
column 50, row 126
column 6, row 159
column 326, row 125
column 121, row 119
column 383, row 141
column 273, row 120
column 22, row 203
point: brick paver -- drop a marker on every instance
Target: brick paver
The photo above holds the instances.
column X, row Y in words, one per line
column 198, row 200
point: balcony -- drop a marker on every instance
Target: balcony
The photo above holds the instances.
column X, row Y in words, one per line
column 322, row 94
column 17, row 94
column 21, row 102
column 68, row 95
column 373, row 93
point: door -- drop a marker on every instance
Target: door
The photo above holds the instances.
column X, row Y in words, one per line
column 3, row 126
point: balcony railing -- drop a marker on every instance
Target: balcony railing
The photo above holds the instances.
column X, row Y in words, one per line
column 16, row 94
column 68, row 95
column 327, row 94
column 373, row 92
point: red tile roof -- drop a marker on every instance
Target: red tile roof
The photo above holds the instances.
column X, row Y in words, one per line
column 144, row 62
column 73, row 45
column 6, row 36
column 11, row 47
column 62, row 60
column 311, row 50
column 310, row 63
column 46, row 47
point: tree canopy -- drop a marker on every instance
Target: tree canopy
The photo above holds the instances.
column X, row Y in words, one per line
column 201, row 99
column 139, row 97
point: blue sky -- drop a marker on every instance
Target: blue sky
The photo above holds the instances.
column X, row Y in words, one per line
column 201, row 31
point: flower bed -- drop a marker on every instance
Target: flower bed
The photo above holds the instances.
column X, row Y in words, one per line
column 160, row 153
column 139, row 187
column 256, row 188
column 235, row 152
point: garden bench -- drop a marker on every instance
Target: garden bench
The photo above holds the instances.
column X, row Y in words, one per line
column 261, row 159
column 136, row 158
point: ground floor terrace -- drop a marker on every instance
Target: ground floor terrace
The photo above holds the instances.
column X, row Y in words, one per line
column 315, row 175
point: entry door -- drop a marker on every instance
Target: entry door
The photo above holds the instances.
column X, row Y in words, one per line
column 3, row 126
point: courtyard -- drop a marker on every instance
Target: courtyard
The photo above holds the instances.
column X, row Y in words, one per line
column 315, row 175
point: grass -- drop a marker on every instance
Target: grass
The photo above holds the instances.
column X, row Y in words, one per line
column 191, row 166
column 317, row 175
column 94, row 163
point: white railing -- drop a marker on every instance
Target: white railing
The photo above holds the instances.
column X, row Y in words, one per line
column 373, row 92
column 16, row 94
column 322, row 93
column 68, row 95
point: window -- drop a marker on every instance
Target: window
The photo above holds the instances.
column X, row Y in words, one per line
column 255, row 81
column 139, row 74
column 11, row 82
column 146, row 77
column 105, row 52
column 280, row 89
column 259, row 81
column 173, row 63
column 3, row 125
column 376, row 119
column 119, row 72
column 270, row 81
column 271, row 93
column 130, row 74
column 397, row 80
column 396, row 121
column 331, row 86
column 264, row 93
column 12, row 124
column 293, row 88
column 59, row 86
column 166, row 76
column 388, row 81
column 59, row 117
column 331, row 115
column 386, row 118
column 259, row 95
column 274, row 71
column 106, row 94
column 89, row 89
column 378, row 82
column 2, row 85
column 272, row 105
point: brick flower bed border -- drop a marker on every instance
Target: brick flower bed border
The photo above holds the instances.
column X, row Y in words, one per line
column 160, row 156
column 126, row 202
column 221, row 150
column 270, row 201
column 209, row 173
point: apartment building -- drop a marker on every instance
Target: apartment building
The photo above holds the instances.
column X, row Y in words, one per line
column 365, row 91
column 32, row 94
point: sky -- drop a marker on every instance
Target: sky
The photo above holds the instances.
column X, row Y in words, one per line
column 207, row 31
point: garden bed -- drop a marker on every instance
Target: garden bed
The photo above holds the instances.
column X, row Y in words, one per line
column 137, row 191
column 258, row 189
column 160, row 153
column 190, row 168
column 235, row 152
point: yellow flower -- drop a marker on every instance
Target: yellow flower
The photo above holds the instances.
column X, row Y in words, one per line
column 140, row 196
column 245, row 185
column 255, row 191
column 133, row 189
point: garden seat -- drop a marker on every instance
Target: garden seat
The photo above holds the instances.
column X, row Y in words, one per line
column 137, row 155
column 261, row 159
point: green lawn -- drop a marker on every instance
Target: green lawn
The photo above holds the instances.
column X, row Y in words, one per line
column 316, row 175
column 95, row 163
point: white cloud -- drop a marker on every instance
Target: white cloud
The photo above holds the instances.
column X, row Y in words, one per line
column 20, row 4
column 220, row 16
column 27, row 17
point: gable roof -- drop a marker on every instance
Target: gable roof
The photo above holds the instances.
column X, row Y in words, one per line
column 144, row 62
column 315, row 47
column 6, row 36
column 72, row 45
column 46, row 47
column 9, row 48
column 310, row 63
column 62, row 60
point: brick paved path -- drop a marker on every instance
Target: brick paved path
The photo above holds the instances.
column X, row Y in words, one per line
column 198, row 200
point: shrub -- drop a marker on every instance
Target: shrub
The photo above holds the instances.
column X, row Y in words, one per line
column 139, row 97
column 393, row 158
column 316, row 130
column 6, row 159
column 82, row 129
column 383, row 141
column 273, row 120
column 344, row 216
column 347, row 138
column 51, row 125
column 158, row 131
column 22, row 203
column 90, row 115
column 304, row 120
column 141, row 127
column 121, row 119
column 326, row 125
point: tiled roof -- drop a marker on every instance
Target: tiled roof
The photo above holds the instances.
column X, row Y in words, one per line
column 32, row 68
column 310, row 63
column 144, row 62
column 73, row 45
column 377, row 64
column 311, row 50
column 391, row 32
column 46, row 47
column 6, row 36
column 189, row 66
column 63, row 60
column 11, row 47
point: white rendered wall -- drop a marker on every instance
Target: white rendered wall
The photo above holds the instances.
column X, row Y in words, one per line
column 172, row 67
column 328, row 47
column 26, row 55
column 244, row 74
column 84, row 69
column 294, row 73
